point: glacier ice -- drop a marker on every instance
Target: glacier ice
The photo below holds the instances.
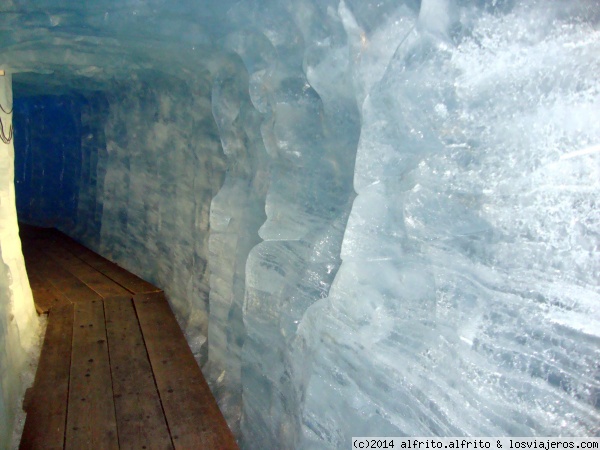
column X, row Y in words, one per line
column 18, row 326
column 381, row 214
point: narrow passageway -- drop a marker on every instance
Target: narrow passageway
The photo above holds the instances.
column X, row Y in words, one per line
column 115, row 369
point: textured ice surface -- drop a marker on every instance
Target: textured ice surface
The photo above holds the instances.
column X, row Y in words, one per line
column 382, row 215
column 470, row 261
column 17, row 314
column 163, row 166
column 48, row 130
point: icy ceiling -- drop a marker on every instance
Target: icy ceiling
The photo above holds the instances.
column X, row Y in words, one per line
column 382, row 214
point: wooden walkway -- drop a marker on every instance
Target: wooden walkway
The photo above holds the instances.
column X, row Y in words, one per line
column 115, row 370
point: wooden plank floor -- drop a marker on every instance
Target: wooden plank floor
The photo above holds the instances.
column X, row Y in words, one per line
column 115, row 371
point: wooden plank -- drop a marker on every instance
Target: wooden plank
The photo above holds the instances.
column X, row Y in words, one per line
column 47, row 407
column 99, row 283
column 193, row 416
column 46, row 299
column 129, row 281
column 60, row 279
column 45, row 295
column 91, row 419
column 140, row 419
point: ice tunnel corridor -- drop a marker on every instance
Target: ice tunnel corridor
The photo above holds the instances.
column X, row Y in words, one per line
column 370, row 218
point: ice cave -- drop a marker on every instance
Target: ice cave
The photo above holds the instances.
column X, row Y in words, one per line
column 370, row 217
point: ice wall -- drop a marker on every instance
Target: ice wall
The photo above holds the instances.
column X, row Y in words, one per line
column 382, row 215
column 310, row 131
column 236, row 213
column 48, row 140
column 470, row 260
column 94, row 156
column 152, row 162
column 17, row 314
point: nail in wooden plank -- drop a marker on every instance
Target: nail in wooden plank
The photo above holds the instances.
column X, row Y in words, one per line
column 47, row 407
column 192, row 413
column 140, row 419
column 91, row 419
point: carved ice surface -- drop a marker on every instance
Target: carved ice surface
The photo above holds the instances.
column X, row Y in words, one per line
column 18, row 324
column 467, row 301
column 381, row 214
